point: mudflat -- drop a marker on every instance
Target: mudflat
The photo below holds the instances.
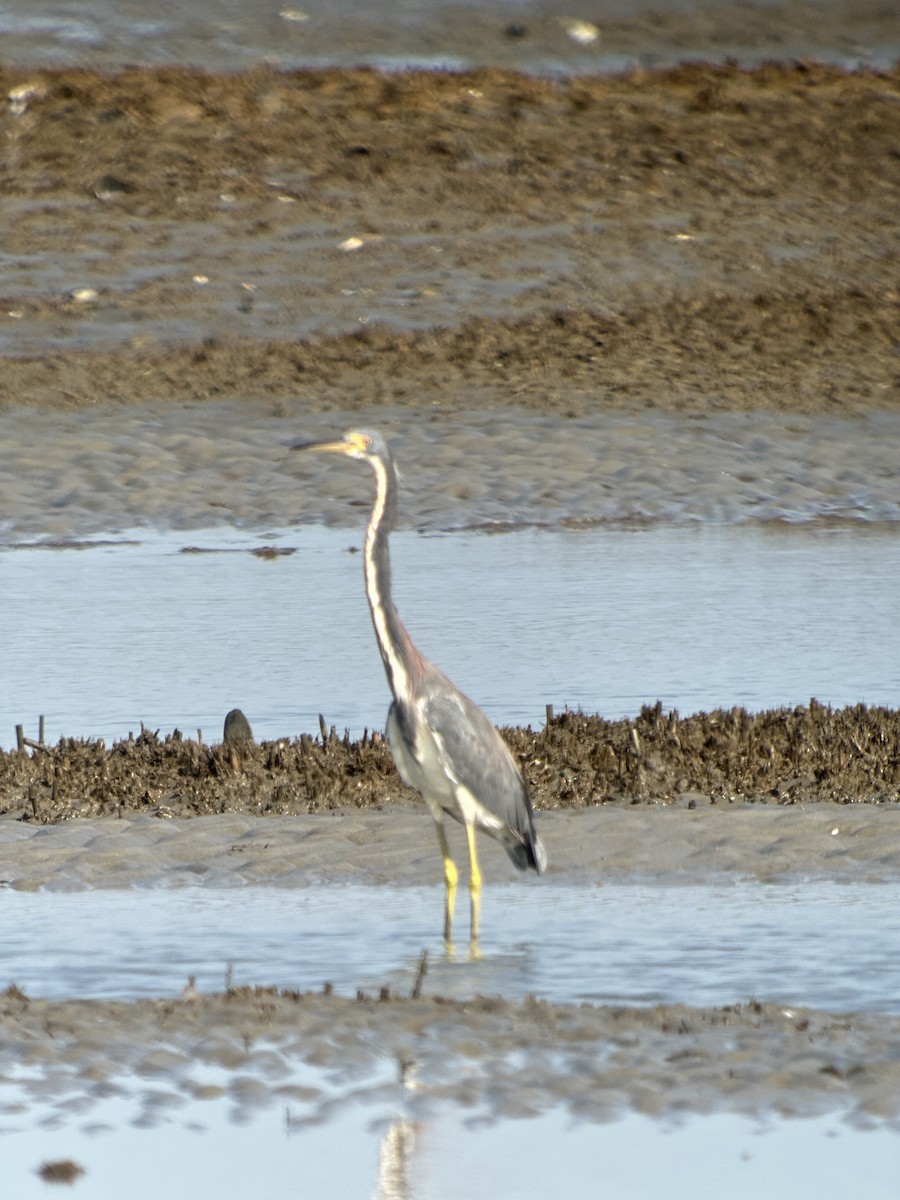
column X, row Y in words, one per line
column 695, row 239
column 296, row 248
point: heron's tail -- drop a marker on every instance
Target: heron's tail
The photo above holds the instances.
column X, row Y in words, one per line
column 528, row 851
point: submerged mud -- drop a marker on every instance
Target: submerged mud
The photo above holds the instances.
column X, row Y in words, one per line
column 788, row 756
column 422, row 1052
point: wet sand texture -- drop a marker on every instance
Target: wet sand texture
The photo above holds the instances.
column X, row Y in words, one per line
column 596, row 1062
column 397, row 847
column 533, row 36
column 699, row 238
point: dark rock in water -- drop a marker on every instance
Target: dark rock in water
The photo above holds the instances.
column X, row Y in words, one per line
column 237, row 730
column 62, row 1171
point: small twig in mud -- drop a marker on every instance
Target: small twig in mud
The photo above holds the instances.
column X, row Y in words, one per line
column 420, row 976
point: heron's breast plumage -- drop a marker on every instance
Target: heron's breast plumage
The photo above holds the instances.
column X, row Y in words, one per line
column 440, row 752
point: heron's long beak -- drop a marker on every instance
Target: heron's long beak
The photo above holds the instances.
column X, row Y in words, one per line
column 350, row 444
column 341, row 446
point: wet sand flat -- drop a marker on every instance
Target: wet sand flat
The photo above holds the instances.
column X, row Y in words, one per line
column 696, row 239
column 595, row 1062
column 539, row 286
column 397, row 847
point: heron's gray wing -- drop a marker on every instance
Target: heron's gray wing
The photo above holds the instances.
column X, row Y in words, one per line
column 477, row 757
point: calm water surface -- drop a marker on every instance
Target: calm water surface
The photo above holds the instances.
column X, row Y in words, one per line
column 603, row 620
column 367, row 1152
column 822, row 944
column 825, row 945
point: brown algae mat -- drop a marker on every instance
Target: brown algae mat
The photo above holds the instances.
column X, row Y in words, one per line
column 793, row 756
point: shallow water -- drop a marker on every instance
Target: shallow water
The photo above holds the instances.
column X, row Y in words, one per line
column 361, row 1133
column 148, row 289
column 831, row 946
column 602, row 620
column 367, row 1151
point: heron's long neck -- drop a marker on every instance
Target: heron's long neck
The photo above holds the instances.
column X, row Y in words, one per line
column 397, row 651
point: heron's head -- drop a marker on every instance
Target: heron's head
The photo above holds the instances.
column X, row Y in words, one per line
column 356, row 443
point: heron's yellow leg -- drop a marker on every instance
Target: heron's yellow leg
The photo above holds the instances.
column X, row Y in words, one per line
column 474, row 882
column 451, row 879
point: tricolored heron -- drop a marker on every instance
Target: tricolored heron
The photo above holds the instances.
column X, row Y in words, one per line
column 443, row 744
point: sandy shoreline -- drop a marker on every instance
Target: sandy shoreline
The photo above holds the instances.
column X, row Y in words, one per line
column 397, row 848
column 219, row 472
column 549, row 285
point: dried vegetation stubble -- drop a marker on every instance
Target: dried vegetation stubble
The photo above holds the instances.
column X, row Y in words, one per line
column 786, row 756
